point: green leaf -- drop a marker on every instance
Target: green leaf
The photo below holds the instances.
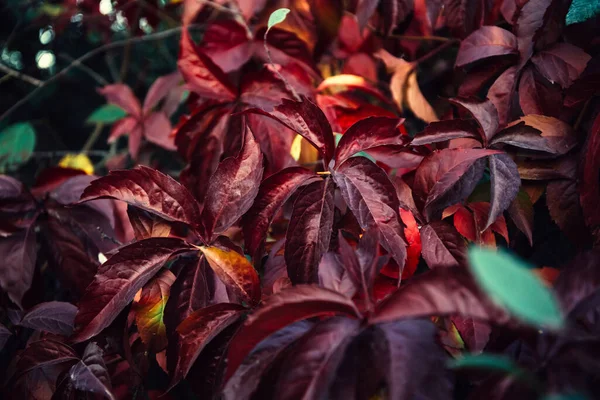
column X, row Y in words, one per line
column 582, row 10
column 510, row 283
column 490, row 362
column 106, row 114
column 16, row 144
column 277, row 17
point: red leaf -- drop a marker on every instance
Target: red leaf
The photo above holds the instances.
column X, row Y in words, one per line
column 273, row 193
column 505, row 183
column 464, row 16
column 149, row 190
column 309, row 231
column 501, row 94
column 118, row 280
column 54, row 316
column 201, row 74
column 284, row 308
column 146, row 225
column 442, row 131
column 521, row 212
column 413, row 238
column 589, row 191
column 371, row 196
column 235, row 271
column 474, row 333
column 561, row 63
column 160, row 89
column 227, row 44
column 334, row 275
column 157, row 130
column 309, row 368
column 196, row 332
column 441, row 292
column 487, row 41
column 368, row 133
column 442, row 245
column 394, row 12
column 122, row 96
column 19, row 253
column 538, row 96
column 44, row 353
column 232, row 188
column 483, row 112
column 529, row 24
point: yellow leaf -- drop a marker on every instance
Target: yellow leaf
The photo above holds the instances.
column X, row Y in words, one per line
column 77, row 161
column 296, row 148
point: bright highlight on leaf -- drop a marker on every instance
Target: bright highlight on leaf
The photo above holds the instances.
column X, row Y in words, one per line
column 16, row 144
column 510, row 283
column 77, row 161
column 277, row 17
column 296, row 148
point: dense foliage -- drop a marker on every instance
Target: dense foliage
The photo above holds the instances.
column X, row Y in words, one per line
column 324, row 199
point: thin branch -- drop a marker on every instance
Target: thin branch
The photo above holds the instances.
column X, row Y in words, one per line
column 89, row 143
column 87, row 56
column 16, row 74
column 96, row 76
column 60, row 153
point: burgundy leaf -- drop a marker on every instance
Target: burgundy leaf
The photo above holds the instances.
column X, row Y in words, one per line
column 16, row 270
column 309, row 231
column 561, row 63
column 275, row 142
column 247, row 377
column 487, row 41
column 90, row 374
column 521, row 212
column 122, row 96
column 202, row 75
column 362, row 278
column 528, row 26
column 160, row 89
column 310, row 366
column 371, row 196
column 442, row 131
column 447, row 177
column 44, row 353
column 333, row 275
column 146, row 225
column 589, row 192
column 284, row 308
column 305, row 118
column 196, row 332
column 118, row 280
column 227, row 44
column 157, row 130
column 415, row 361
column 441, row 292
column 232, row 188
column 149, row 190
column 502, row 95
column 368, row 133
column 537, row 95
column 54, row 317
column 442, row 245
column 484, row 113
column 505, row 183
column 474, row 333
column 464, row 16
column 273, row 193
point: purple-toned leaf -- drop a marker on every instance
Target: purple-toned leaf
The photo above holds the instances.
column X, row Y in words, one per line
column 305, row 118
column 442, row 246
column 284, row 308
column 122, row 96
column 505, row 183
column 464, row 16
column 5, row 334
column 197, row 330
column 578, row 280
column 447, row 177
column 362, row 278
column 521, row 212
column 54, row 317
column 310, row 366
column 227, row 44
column 309, row 231
column 201, row 74
column 474, row 333
column 589, row 190
column 528, row 26
column 368, row 133
column 371, row 196
column 149, row 190
column 561, row 63
column 537, row 95
column 90, row 374
column 246, row 379
column 487, row 41
column 273, row 193
column 118, row 280
column 442, row 131
column 232, row 188
column 502, row 95
column 441, row 292
column 484, row 113
column 44, row 353
column 333, row 275
column 19, row 253
column 415, row 362
column 160, row 89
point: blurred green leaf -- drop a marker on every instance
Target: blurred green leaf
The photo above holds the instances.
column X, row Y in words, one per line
column 511, row 284
column 582, row 10
column 106, row 114
column 16, row 144
column 490, row 362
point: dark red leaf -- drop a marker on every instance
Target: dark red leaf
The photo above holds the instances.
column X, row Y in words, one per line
column 284, row 308
column 371, row 196
column 232, row 188
column 447, row 177
column 441, row 292
column 464, row 16
column 502, row 95
column 54, row 317
column 122, row 96
column 309, row 231
column 505, row 183
column 333, row 275
column 161, row 89
column 521, row 212
column 368, row 133
column 394, row 12
column 442, row 245
column 227, row 44
column 528, row 26
column 90, row 374
column 483, row 112
column 146, row 225
column 44, row 353
column 309, row 368
column 196, row 332
column 118, row 280
column 442, row 131
column 202, row 75
column 537, row 95
column 149, row 190
column 19, row 253
column 561, row 63
column 487, row 41
column 273, row 193
column 275, row 142
column 589, row 189
column 474, row 333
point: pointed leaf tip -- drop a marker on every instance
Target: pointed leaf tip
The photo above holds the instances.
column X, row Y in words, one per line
column 277, row 17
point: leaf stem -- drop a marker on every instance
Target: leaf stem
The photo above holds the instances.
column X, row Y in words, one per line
column 93, row 138
column 285, row 82
column 16, row 74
